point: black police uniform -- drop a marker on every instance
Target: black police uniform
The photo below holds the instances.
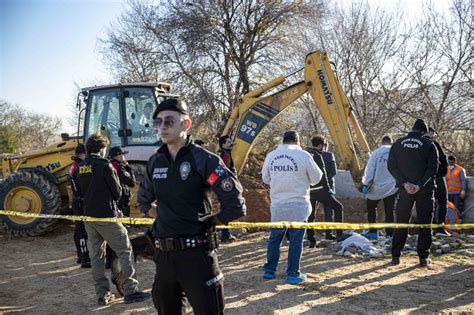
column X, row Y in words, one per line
column 80, row 234
column 185, row 258
column 413, row 159
column 321, row 192
column 441, row 191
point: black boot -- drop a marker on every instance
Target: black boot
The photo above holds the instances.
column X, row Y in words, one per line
column 85, row 260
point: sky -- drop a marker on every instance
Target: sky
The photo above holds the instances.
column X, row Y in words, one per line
column 49, row 46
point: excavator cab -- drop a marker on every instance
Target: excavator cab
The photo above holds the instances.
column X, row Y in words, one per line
column 123, row 113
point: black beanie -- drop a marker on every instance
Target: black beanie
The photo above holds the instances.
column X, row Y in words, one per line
column 420, row 125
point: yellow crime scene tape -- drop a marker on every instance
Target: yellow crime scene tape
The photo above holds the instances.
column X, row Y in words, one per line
column 265, row 225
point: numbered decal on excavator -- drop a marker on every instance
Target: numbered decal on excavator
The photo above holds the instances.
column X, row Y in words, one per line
column 252, row 123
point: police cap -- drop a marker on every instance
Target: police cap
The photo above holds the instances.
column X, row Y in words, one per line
column 116, row 151
column 172, row 104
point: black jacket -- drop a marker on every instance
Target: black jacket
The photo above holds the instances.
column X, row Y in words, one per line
column 127, row 180
column 413, row 159
column 76, row 203
column 318, row 158
column 99, row 186
column 330, row 168
column 181, row 189
column 443, row 162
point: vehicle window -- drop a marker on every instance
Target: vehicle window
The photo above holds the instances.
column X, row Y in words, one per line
column 104, row 115
column 140, row 105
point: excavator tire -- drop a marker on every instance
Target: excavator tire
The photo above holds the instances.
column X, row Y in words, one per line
column 29, row 191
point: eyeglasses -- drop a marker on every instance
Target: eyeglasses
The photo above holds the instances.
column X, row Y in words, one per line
column 166, row 123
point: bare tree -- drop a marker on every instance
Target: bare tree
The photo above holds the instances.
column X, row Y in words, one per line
column 363, row 41
column 441, row 58
column 23, row 130
column 212, row 51
column 439, row 67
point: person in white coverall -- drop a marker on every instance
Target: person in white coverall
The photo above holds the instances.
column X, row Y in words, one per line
column 379, row 184
column 289, row 170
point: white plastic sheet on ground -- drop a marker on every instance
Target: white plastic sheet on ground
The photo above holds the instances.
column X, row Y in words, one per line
column 360, row 242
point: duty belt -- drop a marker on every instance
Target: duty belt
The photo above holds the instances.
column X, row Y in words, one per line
column 181, row 243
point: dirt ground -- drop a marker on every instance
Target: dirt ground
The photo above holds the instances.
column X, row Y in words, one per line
column 39, row 275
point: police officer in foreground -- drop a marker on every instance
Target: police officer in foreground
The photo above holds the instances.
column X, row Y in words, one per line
column 413, row 162
column 100, row 187
column 179, row 177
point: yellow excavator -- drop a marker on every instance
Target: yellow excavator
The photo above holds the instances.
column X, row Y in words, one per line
column 36, row 182
column 254, row 111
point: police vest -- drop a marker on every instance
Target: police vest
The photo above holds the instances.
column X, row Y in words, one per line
column 453, row 179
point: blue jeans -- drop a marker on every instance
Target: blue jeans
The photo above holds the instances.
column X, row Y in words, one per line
column 294, row 252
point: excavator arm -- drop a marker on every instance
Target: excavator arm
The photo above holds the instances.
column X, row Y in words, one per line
column 253, row 112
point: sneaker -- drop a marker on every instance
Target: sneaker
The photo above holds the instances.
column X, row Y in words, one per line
column 106, row 299
column 424, row 262
column 370, row 236
column 137, row 297
column 295, row 280
column 268, row 275
column 395, row 261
